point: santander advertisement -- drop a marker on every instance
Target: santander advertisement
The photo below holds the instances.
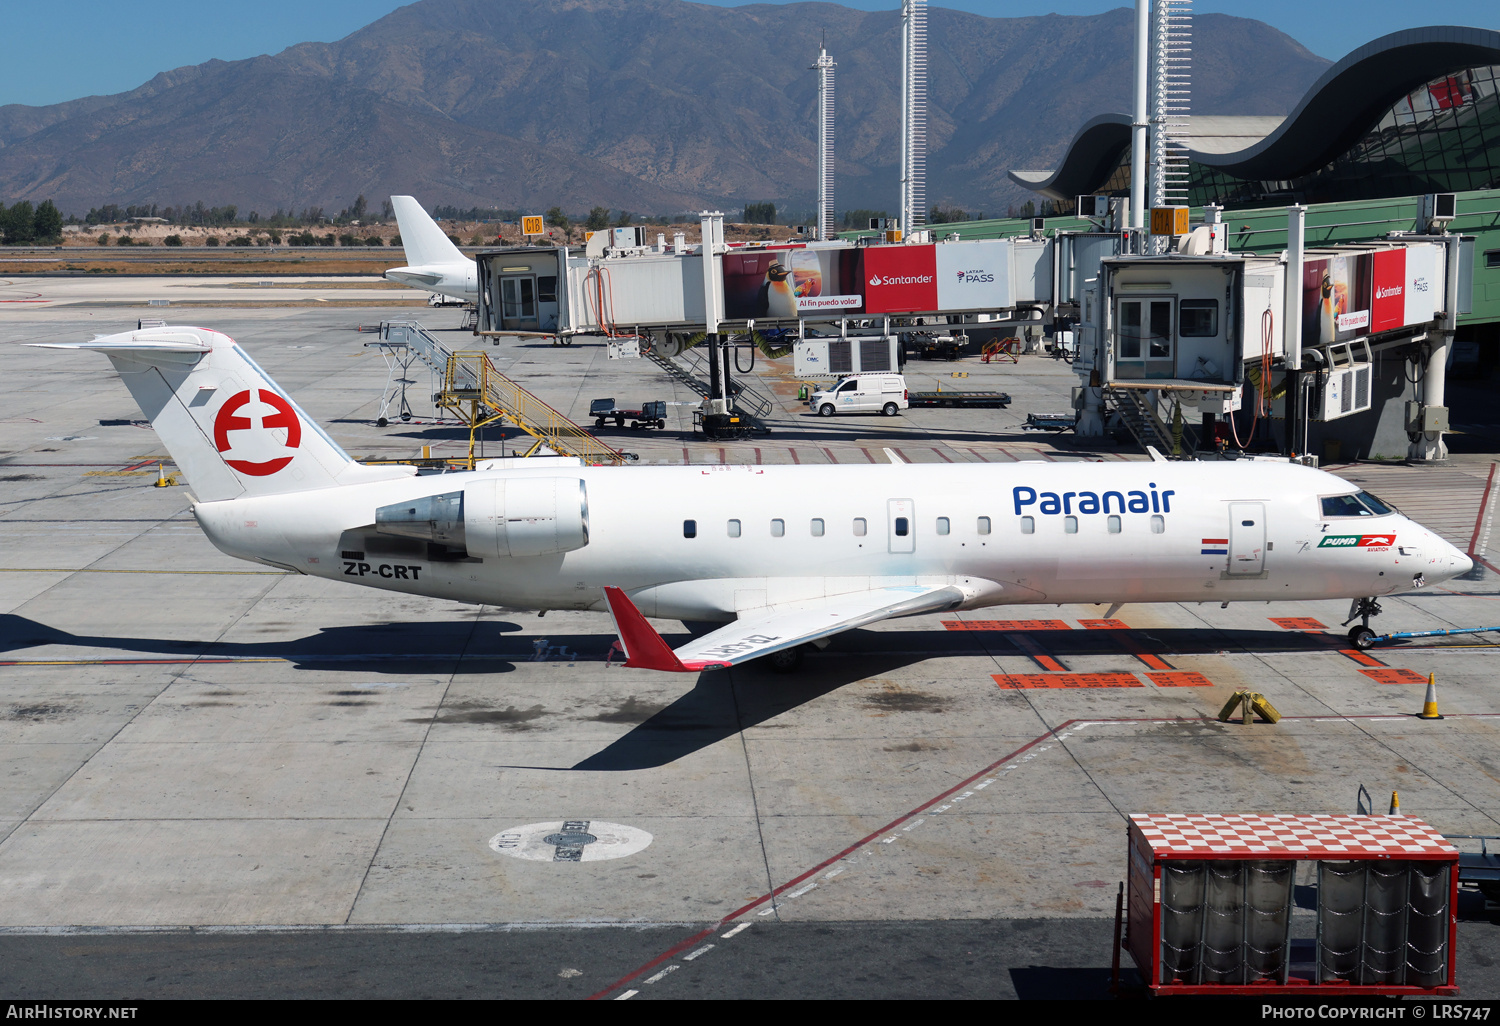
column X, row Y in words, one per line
column 900, row 279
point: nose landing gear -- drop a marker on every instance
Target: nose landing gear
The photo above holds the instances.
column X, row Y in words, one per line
column 1362, row 609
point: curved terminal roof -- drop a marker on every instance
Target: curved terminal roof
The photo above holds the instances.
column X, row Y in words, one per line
column 1349, row 98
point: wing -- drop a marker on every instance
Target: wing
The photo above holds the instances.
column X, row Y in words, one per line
column 771, row 630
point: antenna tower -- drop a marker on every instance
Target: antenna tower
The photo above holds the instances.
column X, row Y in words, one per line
column 1171, row 71
column 824, row 67
column 913, row 114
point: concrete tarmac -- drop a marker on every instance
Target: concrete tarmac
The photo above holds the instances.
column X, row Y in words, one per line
column 223, row 780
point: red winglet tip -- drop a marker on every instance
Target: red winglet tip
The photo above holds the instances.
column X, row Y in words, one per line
column 644, row 648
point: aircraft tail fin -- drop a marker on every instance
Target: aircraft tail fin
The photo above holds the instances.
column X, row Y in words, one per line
column 421, row 237
column 228, row 426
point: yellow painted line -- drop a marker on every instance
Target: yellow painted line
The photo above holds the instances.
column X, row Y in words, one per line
column 117, row 473
column 95, row 570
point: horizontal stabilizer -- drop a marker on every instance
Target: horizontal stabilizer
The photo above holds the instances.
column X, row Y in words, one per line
column 774, row 628
column 114, row 344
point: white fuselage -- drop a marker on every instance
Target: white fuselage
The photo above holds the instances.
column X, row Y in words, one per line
column 458, row 280
column 1006, row 533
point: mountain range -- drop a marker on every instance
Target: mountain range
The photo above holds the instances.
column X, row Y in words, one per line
column 642, row 105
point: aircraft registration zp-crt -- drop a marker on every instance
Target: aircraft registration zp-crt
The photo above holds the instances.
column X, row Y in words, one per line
column 788, row 555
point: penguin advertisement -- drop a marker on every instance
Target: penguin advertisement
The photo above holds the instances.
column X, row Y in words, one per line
column 783, row 284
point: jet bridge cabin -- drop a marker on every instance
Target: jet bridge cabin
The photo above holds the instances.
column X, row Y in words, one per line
column 518, row 290
column 1167, row 322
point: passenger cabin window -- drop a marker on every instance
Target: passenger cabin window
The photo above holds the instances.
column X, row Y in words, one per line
column 690, row 528
column 860, row 527
column 1070, row 525
column 1028, row 525
column 984, row 525
column 778, row 528
column 1114, row 524
column 903, row 527
column 1158, row 525
column 817, row 527
column 1198, row 318
column 942, row 525
column 734, row 529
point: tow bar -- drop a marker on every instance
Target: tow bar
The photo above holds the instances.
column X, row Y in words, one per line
column 1364, row 638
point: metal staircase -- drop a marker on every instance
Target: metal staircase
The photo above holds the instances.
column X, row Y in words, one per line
column 1140, row 418
column 480, row 395
column 687, row 368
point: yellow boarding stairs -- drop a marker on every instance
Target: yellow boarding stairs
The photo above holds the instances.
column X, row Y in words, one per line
column 480, row 395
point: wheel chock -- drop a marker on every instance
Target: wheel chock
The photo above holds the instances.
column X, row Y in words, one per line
column 1429, row 703
column 1250, row 705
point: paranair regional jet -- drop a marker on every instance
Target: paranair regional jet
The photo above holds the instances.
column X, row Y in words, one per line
column 788, row 555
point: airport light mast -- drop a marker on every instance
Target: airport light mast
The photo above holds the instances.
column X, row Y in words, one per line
column 824, row 66
column 913, row 114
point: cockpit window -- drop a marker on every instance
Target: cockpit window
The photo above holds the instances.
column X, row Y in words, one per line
column 1344, row 506
column 1361, row 504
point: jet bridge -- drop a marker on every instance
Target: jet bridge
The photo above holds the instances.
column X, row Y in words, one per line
column 610, row 288
column 1205, row 330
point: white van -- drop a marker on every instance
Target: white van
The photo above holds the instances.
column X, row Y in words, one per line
column 862, row 393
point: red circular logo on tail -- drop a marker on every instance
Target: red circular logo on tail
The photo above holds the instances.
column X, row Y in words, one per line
column 284, row 417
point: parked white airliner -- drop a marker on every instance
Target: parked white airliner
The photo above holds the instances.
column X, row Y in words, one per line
column 434, row 262
column 790, row 554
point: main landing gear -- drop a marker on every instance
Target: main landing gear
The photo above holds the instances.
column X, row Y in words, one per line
column 1362, row 609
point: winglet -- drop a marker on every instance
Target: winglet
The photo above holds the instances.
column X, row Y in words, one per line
column 644, row 648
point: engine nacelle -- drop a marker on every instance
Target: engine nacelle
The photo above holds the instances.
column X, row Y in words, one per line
column 525, row 516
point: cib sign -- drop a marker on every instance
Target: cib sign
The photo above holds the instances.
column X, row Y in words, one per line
column 1169, row 220
column 532, row 225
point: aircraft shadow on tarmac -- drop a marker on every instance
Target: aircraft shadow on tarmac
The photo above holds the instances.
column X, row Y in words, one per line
column 720, row 703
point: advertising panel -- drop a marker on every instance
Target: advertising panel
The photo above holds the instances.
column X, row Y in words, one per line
column 900, row 279
column 1424, row 283
column 1335, row 298
column 786, row 283
column 973, row 276
column 1388, row 298
column 1356, row 294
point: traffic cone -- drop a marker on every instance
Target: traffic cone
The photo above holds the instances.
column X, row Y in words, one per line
column 162, row 481
column 1395, row 804
column 1429, row 704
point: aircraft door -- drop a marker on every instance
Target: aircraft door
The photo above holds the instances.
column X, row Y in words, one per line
column 902, row 527
column 1247, row 537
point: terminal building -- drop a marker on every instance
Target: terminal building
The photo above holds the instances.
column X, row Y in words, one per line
column 1337, row 266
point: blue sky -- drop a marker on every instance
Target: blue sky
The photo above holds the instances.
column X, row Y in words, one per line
column 61, row 51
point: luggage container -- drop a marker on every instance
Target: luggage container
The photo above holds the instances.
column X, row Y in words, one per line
column 1211, row 904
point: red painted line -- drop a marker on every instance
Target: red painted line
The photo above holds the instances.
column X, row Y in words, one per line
column 1037, row 653
column 982, row 458
column 1479, row 517
column 867, row 455
column 1061, row 727
column 929, row 803
column 757, row 457
column 686, row 456
column 794, row 455
column 722, row 459
column 904, row 458
column 831, row 457
column 942, row 455
column 1360, row 657
column 122, row 662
